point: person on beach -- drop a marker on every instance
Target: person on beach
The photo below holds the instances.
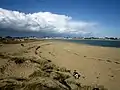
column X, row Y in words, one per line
column 76, row 74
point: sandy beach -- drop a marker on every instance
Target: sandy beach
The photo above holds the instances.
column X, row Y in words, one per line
column 97, row 65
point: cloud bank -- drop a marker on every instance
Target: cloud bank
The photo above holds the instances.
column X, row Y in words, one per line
column 43, row 22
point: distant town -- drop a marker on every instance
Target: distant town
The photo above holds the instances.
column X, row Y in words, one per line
column 48, row 37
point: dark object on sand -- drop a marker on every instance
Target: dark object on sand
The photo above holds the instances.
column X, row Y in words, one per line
column 49, row 60
column 85, row 56
column 19, row 61
column 37, row 47
column 76, row 74
column 22, row 45
column 96, row 89
column 36, row 52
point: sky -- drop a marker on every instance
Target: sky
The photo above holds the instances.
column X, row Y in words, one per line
column 98, row 18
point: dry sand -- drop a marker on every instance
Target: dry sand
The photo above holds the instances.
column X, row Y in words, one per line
column 97, row 65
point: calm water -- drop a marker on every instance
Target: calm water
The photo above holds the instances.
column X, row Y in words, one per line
column 104, row 43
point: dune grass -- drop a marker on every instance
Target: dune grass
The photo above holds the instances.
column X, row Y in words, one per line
column 48, row 76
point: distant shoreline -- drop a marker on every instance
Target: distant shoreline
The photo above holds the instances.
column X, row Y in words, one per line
column 84, row 39
column 101, row 43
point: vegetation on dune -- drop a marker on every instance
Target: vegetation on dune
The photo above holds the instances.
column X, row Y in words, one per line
column 48, row 76
column 16, row 40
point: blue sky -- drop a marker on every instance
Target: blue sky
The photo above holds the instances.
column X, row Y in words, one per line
column 106, row 13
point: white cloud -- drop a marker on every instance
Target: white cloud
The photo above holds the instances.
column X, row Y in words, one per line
column 43, row 22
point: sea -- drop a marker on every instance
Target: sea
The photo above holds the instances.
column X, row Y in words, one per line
column 103, row 43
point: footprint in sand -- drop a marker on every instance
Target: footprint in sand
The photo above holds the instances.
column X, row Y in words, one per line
column 76, row 54
column 51, row 53
column 111, row 76
column 109, row 61
column 117, row 62
column 100, row 59
column 85, row 56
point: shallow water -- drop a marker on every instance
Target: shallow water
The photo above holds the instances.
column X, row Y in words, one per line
column 104, row 43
